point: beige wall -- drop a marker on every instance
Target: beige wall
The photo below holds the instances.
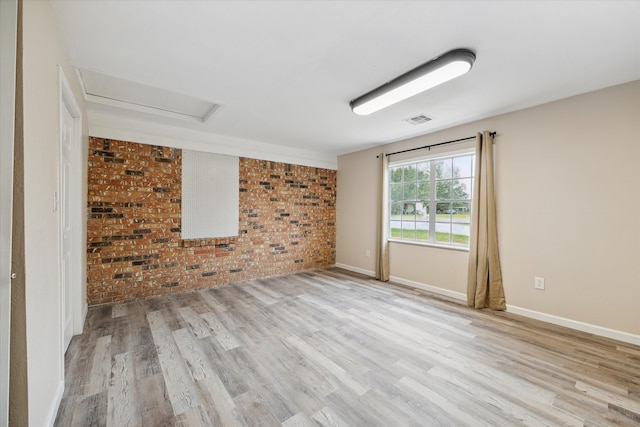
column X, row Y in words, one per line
column 43, row 52
column 567, row 177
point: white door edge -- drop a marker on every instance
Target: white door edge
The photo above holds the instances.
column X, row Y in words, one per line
column 68, row 103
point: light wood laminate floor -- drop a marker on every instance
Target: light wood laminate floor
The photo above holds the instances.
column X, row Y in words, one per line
column 333, row 348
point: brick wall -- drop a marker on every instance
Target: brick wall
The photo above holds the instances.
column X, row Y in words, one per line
column 134, row 248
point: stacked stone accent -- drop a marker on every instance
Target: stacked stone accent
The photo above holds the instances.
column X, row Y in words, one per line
column 134, row 246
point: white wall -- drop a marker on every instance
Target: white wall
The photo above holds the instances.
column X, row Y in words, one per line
column 43, row 51
column 567, row 177
column 128, row 128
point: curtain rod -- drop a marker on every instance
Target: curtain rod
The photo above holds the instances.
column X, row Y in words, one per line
column 434, row 145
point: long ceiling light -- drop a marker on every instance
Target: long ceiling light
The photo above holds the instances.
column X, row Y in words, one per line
column 437, row 71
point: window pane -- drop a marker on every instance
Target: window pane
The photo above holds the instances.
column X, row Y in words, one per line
column 427, row 209
column 443, row 190
column 410, row 173
column 410, row 191
column 423, row 191
column 461, row 233
column 422, row 211
column 409, row 230
column 396, row 210
column 409, row 211
column 423, row 171
column 462, row 166
column 443, row 211
column 396, row 192
column 395, row 175
column 422, row 231
column 461, row 189
column 395, row 228
column 442, row 168
column 443, row 233
column 463, row 210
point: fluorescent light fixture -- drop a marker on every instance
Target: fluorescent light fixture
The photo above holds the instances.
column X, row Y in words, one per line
column 437, row 71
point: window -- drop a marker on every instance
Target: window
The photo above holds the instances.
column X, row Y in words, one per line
column 430, row 200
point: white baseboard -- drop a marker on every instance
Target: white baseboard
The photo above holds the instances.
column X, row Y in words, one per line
column 577, row 325
column 411, row 283
column 53, row 410
column 532, row 314
column 356, row 269
column 85, row 310
column 430, row 288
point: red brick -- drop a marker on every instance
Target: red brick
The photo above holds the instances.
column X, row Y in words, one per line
column 286, row 226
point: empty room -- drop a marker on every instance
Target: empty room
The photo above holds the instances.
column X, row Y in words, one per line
column 319, row 213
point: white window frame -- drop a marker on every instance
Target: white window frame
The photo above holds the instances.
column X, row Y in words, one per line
column 432, row 208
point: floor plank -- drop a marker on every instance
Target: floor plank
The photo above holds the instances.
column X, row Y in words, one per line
column 180, row 384
column 334, row 348
column 123, row 407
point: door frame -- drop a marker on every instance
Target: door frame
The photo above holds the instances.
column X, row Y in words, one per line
column 8, row 66
column 67, row 101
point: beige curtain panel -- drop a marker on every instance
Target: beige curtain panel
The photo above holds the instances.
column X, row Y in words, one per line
column 382, row 243
column 484, row 286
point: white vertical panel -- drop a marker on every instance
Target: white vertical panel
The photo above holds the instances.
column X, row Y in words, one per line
column 210, row 195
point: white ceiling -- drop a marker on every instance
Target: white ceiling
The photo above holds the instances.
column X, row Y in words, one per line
column 285, row 71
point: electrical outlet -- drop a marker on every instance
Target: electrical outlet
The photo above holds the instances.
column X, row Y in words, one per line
column 538, row 283
column 367, row 253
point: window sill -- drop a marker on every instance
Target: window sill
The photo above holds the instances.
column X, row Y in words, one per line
column 431, row 245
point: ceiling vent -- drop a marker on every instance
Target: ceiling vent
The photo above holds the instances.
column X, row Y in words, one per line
column 417, row 120
column 114, row 91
